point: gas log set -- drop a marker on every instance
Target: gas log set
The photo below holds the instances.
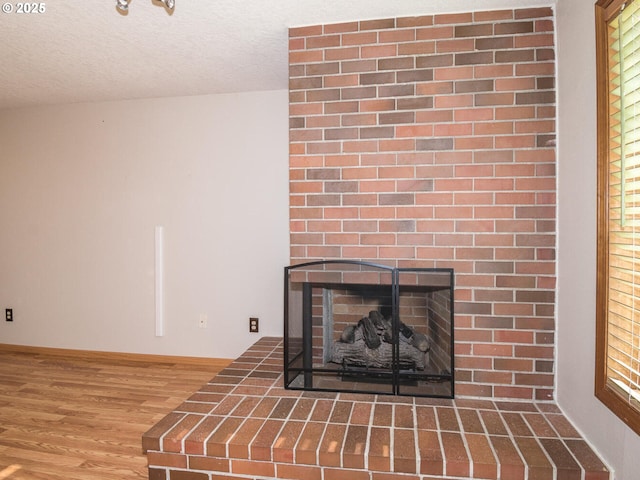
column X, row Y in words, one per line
column 370, row 342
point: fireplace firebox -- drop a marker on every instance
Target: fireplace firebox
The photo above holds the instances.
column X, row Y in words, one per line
column 352, row 326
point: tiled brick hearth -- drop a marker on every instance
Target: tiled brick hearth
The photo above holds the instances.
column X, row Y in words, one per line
column 244, row 425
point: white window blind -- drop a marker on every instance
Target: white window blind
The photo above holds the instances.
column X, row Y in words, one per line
column 623, row 318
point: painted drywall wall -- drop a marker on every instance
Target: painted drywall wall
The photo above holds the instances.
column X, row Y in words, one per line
column 618, row 444
column 82, row 188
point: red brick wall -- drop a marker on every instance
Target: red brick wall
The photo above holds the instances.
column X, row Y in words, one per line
column 429, row 142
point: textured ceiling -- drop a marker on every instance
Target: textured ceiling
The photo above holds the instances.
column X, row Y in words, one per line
column 87, row 51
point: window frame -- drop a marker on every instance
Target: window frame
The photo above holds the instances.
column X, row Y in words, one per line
column 605, row 10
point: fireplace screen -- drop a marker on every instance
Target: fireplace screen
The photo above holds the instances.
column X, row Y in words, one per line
column 361, row 327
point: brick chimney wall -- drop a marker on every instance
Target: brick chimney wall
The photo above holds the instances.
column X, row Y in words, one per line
column 430, row 142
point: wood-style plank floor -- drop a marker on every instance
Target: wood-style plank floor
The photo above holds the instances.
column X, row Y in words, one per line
column 67, row 415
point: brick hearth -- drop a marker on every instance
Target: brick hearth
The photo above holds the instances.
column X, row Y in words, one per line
column 244, row 425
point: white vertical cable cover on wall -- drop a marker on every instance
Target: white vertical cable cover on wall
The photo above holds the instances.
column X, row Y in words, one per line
column 159, row 277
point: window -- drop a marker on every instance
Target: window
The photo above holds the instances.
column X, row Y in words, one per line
column 618, row 288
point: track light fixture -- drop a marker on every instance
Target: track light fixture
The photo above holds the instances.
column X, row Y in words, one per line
column 123, row 5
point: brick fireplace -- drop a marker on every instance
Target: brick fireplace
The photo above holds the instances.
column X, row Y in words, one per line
column 429, row 143
column 415, row 143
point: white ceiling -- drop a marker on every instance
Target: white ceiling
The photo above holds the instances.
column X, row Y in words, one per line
column 84, row 51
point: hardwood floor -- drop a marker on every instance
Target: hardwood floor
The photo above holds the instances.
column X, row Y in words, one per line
column 67, row 415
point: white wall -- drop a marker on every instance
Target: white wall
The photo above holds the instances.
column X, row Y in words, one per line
column 618, row 444
column 83, row 186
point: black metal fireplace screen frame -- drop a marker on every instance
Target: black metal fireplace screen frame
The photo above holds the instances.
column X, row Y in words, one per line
column 301, row 369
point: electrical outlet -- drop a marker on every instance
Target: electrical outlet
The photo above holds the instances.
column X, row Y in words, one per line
column 202, row 321
column 8, row 314
column 253, row 325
